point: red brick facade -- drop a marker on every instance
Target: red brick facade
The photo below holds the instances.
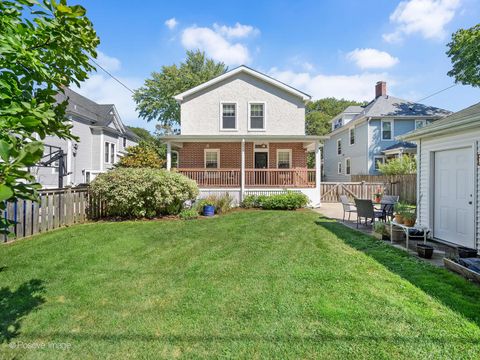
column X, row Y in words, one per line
column 192, row 155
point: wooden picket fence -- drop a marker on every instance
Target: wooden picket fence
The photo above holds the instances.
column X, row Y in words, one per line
column 330, row 191
column 55, row 208
column 404, row 186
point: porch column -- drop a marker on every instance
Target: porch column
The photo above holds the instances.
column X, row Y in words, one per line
column 242, row 171
column 169, row 156
column 318, row 172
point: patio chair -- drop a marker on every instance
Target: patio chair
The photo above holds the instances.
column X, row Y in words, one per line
column 348, row 207
column 366, row 210
column 387, row 205
column 390, row 199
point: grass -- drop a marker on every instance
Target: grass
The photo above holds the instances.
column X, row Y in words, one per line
column 258, row 284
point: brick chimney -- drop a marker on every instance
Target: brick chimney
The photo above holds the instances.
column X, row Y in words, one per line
column 380, row 89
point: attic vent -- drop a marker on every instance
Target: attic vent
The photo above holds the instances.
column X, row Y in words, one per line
column 74, row 107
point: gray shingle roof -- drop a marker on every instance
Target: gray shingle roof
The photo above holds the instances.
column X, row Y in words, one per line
column 392, row 106
column 354, row 109
column 401, row 145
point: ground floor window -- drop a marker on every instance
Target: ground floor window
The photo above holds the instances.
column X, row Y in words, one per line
column 339, row 167
column 212, row 158
column 347, row 166
column 284, row 158
column 109, row 152
column 378, row 160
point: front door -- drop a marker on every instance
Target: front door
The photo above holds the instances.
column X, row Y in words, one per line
column 453, row 199
column 261, row 160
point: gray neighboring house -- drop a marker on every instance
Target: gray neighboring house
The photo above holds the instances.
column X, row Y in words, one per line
column 363, row 136
column 103, row 139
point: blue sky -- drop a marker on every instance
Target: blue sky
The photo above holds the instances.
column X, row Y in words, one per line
column 325, row 48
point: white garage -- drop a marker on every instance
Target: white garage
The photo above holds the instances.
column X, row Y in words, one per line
column 448, row 198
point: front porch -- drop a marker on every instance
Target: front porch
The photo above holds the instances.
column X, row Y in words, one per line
column 248, row 163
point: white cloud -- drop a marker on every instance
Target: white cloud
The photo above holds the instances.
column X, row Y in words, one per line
column 215, row 42
column 171, row 23
column 372, row 59
column 107, row 62
column 427, row 17
column 358, row 87
column 237, row 31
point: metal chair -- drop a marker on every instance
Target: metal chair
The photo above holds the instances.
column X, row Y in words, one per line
column 348, row 207
column 366, row 210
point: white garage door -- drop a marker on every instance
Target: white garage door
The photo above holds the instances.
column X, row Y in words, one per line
column 453, row 207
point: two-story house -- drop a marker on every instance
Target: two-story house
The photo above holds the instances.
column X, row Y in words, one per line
column 364, row 136
column 102, row 141
column 243, row 132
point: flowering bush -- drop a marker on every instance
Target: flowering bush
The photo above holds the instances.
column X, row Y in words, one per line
column 137, row 192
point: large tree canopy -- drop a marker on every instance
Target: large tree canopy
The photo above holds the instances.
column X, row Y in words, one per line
column 155, row 99
column 464, row 52
column 320, row 112
column 43, row 48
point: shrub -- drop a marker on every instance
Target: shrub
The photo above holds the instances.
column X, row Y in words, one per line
column 137, row 192
column 222, row 203
column 399, row 166
column 286, row 201
column 188, row 214
column 142, row 155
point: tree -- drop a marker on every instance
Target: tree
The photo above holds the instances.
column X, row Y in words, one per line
column 399, row 166
column 142, row 133
column 155, row 99
column 43, row 48
column 143, row 155
column 320, row 112
column 464, row 52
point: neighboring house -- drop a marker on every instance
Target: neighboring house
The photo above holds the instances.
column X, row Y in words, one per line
column 243, row 132
column 102, row 141
column 363, row 137
column 448, row 184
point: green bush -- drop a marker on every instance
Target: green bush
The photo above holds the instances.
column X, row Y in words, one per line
column 222, row 203
column 399, row 166
column 142, row 192
column 287, row 201
column 188, row 214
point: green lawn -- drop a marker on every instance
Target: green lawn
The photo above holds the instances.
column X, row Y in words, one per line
column 259, row 284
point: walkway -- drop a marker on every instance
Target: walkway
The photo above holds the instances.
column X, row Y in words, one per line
column 335, row 211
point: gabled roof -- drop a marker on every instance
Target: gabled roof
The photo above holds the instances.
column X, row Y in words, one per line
column 246, row 70
column 391, row 106
column 464, row 119
column 100, row 115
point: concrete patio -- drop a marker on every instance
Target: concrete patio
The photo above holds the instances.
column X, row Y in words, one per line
column 335, row 211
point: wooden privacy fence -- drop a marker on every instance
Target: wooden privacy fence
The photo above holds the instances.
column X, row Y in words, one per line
column 404, row 186
column 330, row 191
column 55, row 208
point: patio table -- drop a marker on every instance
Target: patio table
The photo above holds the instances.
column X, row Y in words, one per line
column 407, row 232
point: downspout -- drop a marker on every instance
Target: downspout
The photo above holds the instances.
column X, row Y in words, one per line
column 242, row 171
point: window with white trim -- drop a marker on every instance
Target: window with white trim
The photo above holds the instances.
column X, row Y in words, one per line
column 124, row 140
column 339, row 167
column 387, row 129
column 229, row 116
column 352, row 136
column 378, row 160
column 257, row 116
column 420, row 124
column 212, row 158
column 284, row 158
column 109, row 152
column 175, row 159
column 347, row 166
column 339, row 147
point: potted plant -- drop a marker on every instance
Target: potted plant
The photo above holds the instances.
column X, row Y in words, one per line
column 377, row 197
column 399, row 208
column 425, row 251
column 408, row 217
column 208, row 208
column 381, row 229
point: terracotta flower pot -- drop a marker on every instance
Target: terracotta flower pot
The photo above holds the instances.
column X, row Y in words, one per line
column 409, row 222
column 399, row 219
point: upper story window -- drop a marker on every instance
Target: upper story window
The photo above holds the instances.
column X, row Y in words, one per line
column 339, row 167
column 420, row 124
column 212, row 158
column 387, row 129
column 339, row 147
column 109, row 152
column 124, row 139
column 284, row 159
column 337, row 123
column 229, row 116
column 352, row 136
column 256, row 116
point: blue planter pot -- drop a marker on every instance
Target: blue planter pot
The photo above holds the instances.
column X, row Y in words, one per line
column 208, row 210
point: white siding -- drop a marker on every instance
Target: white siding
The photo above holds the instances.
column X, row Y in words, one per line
column 425, row 174
column 285, row 113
